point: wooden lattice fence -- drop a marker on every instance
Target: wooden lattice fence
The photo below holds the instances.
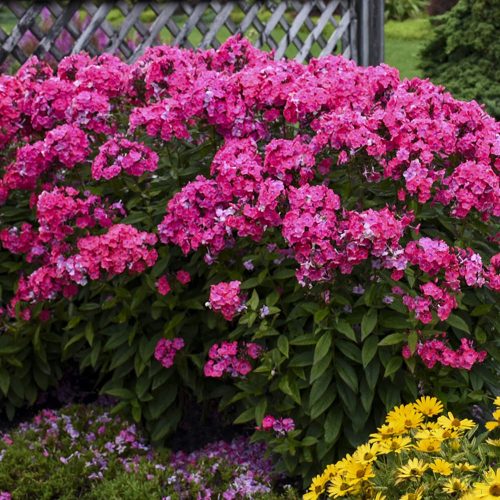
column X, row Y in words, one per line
column 299, row 29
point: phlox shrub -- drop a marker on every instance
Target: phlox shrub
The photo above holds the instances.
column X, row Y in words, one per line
column 86, row 452
column 312, row 243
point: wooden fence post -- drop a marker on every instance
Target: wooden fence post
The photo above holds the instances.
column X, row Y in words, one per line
column 370, row 15
column 376, row 52
column 363, row 28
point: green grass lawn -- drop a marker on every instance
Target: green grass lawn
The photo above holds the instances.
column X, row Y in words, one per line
column 403, row 42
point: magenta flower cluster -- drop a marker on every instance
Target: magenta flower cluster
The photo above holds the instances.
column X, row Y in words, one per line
column 166, row 350
column 286, row 130
column 120, row 154
column 280, row 426
column 438, row 351
column 232, row 358
column 226, row 299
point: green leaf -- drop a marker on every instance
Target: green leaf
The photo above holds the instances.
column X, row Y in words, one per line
column 324, row 403
column 366, row 395
column 283, row 273
column 481, row 310
column 120, row 392
column 368, row 323
column 89, row 332
column 142, row 385
column 369, row 350
column 322, row 347
column 347, row 373
column 260, row 410
column 349, row 350
column 393, row 365
column 333, row 423
column 72, row 340
column 306, row 339
column 319, row 368
column 163, row 398
column 246, row 416
column 321, row 314
column 4, row 381
column 288, row 386
column 412, row 341
column 283, row 345
column 393, row 339
column 372, row 372
column 319, row 386
column 346, row 329
column 458, row 323
column 309, row 441
column 301, row 359
column 249, row 283
column 253, row 303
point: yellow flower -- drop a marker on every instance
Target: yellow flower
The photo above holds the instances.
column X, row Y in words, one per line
column 453, row 423
column 395, row 444
column 429, row 406
column 497, row 401
column 357, row 472
column 454, row 486
column 405, row 416
column 436, row 434
column 417, row 495
column 431, row 445
column 465, row 467
column 340, row 488
column 331, row 471
column 443, row 434
column 366, row 453
column 494, row 423
column 440, row 466
column 412, row 470
column 343, row 464
column 379, row 496
column 317, row 487
column 490, row 488
column 310, row 495
column 493, row 442
column 385, row 432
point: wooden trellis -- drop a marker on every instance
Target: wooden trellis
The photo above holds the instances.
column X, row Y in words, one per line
column 293, row 28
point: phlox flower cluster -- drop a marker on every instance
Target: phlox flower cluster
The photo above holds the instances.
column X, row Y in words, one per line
column 437, row 351
column 63, row 147
column 280, row 426
column 162, row 285
column 121, row 249
column 88, row 440
column 232, row 358
column 283, row 134
column 226, row 299
column 120, row 154
column 252, row 471
column 99, row 442
column 166, row 350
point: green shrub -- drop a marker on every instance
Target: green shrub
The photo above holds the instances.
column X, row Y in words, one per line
column 463, row 54
column 84, row 452
column 393, row 152
column 399, row 10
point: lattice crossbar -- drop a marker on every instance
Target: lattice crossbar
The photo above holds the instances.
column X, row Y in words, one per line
column 299, row 29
